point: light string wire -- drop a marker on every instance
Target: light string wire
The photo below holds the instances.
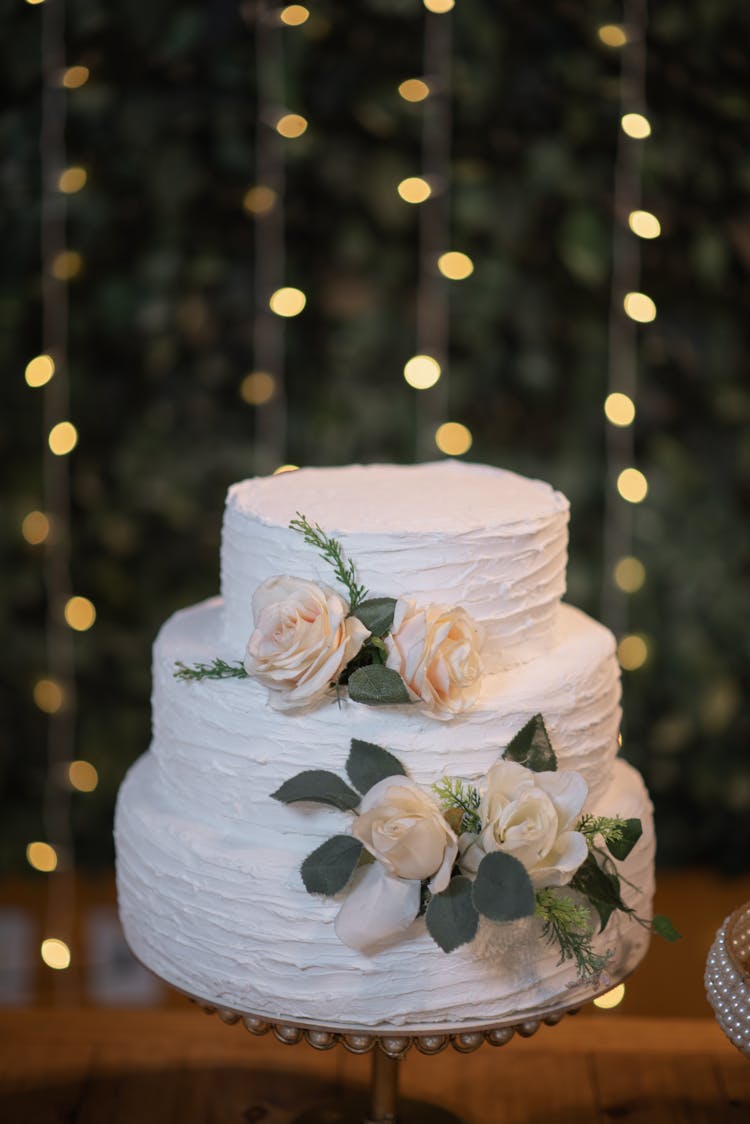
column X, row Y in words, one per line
column 60, row 908
column 433, row 306
column 623, row 351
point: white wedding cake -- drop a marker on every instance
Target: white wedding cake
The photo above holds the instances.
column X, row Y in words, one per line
column 301, row 844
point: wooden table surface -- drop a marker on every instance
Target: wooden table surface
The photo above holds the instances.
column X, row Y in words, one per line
column 160, row 1067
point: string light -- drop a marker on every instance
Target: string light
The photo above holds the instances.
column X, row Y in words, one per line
column 629, row 574
column 35, row 528
column 612, row 35
column 66, row 265
column 41, row 857
column 294, row 15
column 453, row 439
column 414, row 89
column 75, row 76
column 82, row 776
column 611, row 998
column 63, row 438
column 259, row 200
column 422, row 372
column 639, row 307
column 291, row 125
column 72, row 180
column 635, row 125
column 79, row 613
column 455, row 266
column 439, row 7
column 287, row 301
column 285, row 468
column 414, row 189
column 644, row 224
column 55, row 953
column 48, row 695
column 34, row 2
column 257, row 388
column 632, row 652
column 632, row 485
column 619, row 409
column 39, row 370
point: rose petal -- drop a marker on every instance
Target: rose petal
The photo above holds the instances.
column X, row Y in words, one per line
column 568, row 792
column 569, row 852
column 378, row 906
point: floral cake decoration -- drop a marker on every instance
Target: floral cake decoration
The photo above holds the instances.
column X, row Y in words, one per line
column 310, row 642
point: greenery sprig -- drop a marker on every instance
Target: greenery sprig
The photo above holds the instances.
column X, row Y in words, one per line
column 333, row 553
column 217, row 669
column 567, row 924
column 457, row 795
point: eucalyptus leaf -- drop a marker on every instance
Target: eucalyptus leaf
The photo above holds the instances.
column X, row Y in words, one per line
column 502, row 889
column 376, row 614
column 601, row 888
column 664, row 927
column 531, row 747
column 368, row 764
column 377, row 686
column 320, row 786
column 621, row 846
column 328, row 869
column 451, row 916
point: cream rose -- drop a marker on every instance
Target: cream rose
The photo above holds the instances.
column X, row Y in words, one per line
column 303, row 639
column 530, row 815
column 435, row 650
column 404, row 829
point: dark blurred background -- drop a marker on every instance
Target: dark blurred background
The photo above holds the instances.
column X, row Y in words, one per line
column 161, row 305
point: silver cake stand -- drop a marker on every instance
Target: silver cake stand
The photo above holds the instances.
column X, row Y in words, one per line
column 389, row 1046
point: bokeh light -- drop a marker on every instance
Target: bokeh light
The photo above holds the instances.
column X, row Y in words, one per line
column 259, row 200
column 285, row 468
column 291, row 125
column 75, row 76
column 80, row 613
column 439, row 6
column 35, row 527
column 612, row 35
column 414, row 189
column 414, row 89
column 48, row 695
column 72, row 180
column 632, row 652
column 42, row 857
column 55, row 953
column 619, row 409
column 632, row 485
column 66, row 265
column 639, row 307
column 611, row 998
column 422, row 371
column 257, row 388
column 82, row 776
column 455, row 266
column 453, row 439
column 629, row 574
column 63, row 438
column 39, row 370
column 635, row 125
column 287, row 301
column 644, row 224
column 294, row 15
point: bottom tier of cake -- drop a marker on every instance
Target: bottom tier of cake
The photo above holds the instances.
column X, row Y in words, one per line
column 233, row 925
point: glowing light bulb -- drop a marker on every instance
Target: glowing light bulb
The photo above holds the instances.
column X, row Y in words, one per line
column 72, row 180
column 611, row 998
column 455, row 265
column 644, row 224
column 48, row 695
column 291, row 125
column 629, row 574
column 632, row 652
column 55, row 953
column 414, row 189
column 453, row 439
column 287, row 301
column 285, row 468
column 63, row 438
column 80, row 613
column 639, row 307
column 39, row 370
column 422, row 371
column 257, row 388
column 620, row 409
column 632, row 485
column 414, row 89
column 82, row 776
column 259, row 200
column 439, row 6
column 294, row 15
column 66, row 265
column 612, row 35
column 42, row 857
column 35, row 528
column 635, row 125
column 75, row 76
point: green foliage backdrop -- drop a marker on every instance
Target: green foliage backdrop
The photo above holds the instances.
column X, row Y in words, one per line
column 160, row 338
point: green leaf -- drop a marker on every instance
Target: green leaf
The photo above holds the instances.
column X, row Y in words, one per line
column 502, row 889
column 368, row 764
column 620, row 845
column 377, row 686
column 318, row 785
column 451, row 916
column 531, row 747
column 377, row 614
column 328, row 869
column 664, row 928
column 601, row 888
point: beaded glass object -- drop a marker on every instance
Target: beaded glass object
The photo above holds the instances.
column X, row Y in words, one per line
column 728, row 978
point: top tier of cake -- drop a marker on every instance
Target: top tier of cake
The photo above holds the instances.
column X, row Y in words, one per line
column 458, row 534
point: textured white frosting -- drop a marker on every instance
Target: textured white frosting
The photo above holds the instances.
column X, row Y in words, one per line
column 454, row 533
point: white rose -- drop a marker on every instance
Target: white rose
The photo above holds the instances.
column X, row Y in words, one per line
column 303, row 639
column 435, row 650
column 530, row 815
column 407, row 833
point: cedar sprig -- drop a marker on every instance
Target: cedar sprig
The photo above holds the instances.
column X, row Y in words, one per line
column 333, row 552
column 217, row 669
column 568, row 925
column 455, row 793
